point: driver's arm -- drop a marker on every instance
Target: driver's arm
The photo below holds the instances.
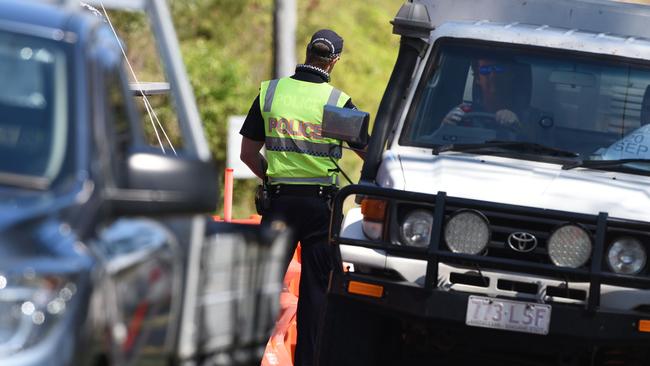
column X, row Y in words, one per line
column 503, row 117
column 507, row 118
column 455, row 115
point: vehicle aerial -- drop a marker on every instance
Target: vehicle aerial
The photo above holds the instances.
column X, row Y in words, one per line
column 107, row 252
column 480, row 242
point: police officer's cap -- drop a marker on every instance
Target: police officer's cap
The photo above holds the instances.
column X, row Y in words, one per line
column 330, row 39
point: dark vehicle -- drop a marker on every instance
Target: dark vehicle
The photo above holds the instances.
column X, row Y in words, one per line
column 106, row 253
column 502, row 212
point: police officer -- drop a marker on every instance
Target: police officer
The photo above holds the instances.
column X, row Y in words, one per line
column 286, row 118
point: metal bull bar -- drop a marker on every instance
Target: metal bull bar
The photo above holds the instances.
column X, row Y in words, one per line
column 595, row 273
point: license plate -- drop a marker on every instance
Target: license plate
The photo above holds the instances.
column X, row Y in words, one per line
column 508, row 315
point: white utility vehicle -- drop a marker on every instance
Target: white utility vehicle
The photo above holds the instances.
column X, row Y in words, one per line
column 505, row 199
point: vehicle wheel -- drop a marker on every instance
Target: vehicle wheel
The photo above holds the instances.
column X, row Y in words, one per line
column 355, row 335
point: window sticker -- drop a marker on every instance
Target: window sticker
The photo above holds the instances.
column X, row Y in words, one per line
column 636, row 145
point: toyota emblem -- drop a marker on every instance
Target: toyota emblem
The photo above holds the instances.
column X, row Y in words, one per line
column 522, row 242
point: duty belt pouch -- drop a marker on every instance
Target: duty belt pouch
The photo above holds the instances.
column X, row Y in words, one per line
column 262, row 199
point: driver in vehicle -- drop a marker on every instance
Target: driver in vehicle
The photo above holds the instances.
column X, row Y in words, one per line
column 493, row 96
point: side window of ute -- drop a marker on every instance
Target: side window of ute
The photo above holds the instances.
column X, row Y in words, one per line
column 123, row 121
column 118, row 115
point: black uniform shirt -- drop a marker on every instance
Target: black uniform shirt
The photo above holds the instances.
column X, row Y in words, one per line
column 253, row 127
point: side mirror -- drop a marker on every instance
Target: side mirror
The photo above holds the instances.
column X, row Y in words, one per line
column 165, row 184
column 349, row 125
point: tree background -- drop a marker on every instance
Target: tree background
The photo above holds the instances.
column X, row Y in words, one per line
column 227, row 49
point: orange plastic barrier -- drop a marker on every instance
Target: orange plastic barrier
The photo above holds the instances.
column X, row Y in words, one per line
column 282, row 344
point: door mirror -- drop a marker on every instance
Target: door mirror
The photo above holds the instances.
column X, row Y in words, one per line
column 349, row 125
column 153, row 183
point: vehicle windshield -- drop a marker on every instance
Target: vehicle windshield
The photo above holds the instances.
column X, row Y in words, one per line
column 33, row 110
column 484, row 95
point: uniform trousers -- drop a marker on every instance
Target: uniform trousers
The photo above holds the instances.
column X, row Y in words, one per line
column 308, row 218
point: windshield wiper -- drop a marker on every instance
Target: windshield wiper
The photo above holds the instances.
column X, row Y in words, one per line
column 518, row 146
column 601, row 163
column 24, row 181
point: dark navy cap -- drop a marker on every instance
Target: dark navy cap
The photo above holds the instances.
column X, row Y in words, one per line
column 329, row 38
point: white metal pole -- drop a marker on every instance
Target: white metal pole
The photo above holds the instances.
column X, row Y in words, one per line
column 170, row 51
column 284, row 37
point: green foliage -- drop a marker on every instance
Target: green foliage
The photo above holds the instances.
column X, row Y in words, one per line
column 226, row 46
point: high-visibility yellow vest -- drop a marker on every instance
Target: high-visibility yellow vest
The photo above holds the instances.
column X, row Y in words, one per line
column 296, row 151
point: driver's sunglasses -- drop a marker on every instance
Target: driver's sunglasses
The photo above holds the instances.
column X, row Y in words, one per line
column 487, row 69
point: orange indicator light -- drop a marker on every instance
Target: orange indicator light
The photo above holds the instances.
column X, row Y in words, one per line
column 373, row 209
column 644, row 326
column 366, row 289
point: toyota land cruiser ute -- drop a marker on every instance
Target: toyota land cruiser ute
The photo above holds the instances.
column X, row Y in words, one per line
column 502, row 214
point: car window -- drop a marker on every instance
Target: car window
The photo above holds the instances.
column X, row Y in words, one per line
column 572, row 102
column 118, row 114
column 34, row 119
column 124, row 127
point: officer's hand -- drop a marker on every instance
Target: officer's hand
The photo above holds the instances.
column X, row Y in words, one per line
column 507, row 118
column 454, row 116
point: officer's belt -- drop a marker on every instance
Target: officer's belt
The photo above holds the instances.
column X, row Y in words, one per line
column 302, row 190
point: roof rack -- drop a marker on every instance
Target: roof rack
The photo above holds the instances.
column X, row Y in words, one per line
column 598, row 16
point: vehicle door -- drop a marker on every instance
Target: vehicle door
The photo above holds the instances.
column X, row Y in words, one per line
column 184, row 286
column 141, row 265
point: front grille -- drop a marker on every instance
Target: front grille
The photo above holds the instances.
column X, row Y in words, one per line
column 568, row 293
column 523, row 287
column 470, row 279
column 539, row 224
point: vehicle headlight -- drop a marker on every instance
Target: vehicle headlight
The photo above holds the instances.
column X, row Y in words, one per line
column 30, row 305
column 626, row 255
column 416, row 228
column 569, row 246
column 467, row 232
